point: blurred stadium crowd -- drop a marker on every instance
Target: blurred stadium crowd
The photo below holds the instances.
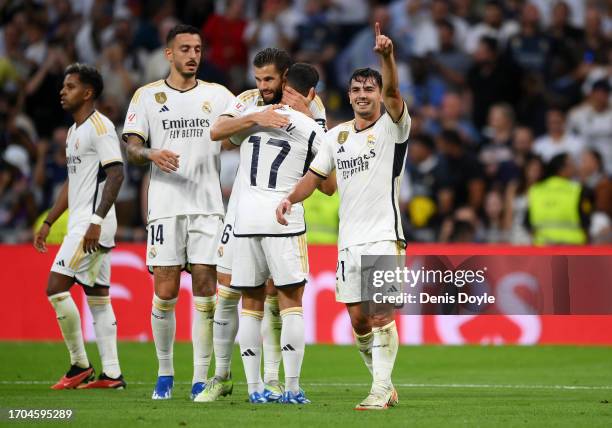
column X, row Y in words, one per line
column 496, row 89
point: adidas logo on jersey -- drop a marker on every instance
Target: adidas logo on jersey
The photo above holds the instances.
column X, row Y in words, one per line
column 248, row 353
column 288, row 347
column 164, row 108
column 61, row 263
column 341, row 150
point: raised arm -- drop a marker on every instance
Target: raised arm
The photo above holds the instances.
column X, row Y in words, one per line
column 302, row 190
column 390, row 91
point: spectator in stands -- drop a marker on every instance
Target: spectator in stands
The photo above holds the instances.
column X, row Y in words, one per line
column 557, row 140
column 496, row 153
column 515, row 200
column 452, row 115
column 522, row 145
column 592, row 122
column 464, row 171
column 493, row 26
column 426, row 193
column 494, row 231
column 530, row 48
column 598, row 187
column 50, row 171
column 224, row 42
column 17, row 204
column 491, row 80
column 449, row 62
column 558, row 210
column 315, row 42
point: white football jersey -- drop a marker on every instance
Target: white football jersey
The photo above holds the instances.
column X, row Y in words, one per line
column 271, row 162
column 90, row 147
column 180, row 121
column 369, row 165
column 248, row 100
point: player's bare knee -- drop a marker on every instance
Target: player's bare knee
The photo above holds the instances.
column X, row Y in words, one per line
column 97, row 290
column 224, row 279
column 58, row 283
column 203, row 280
column 253, row 299
column 290, row 297
column 381, row 319
column 270, row 288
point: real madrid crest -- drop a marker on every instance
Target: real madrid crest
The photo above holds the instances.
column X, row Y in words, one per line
column 371, row 140
column 220, row 251
column 342, row 137
column 206, row 107
column 76, row 145
column 152, row 252
column 161, row 97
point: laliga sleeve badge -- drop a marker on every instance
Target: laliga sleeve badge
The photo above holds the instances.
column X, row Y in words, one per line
column 161, row 97
column 342, row 137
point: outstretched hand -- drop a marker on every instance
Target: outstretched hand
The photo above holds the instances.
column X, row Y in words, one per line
column 383, row 44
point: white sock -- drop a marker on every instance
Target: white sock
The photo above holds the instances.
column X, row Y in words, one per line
column 364, row 344
column 271, row 333
column 225, row 328
column 250, row 348
column 163, row 324
column 292, row 345
column 105, row 326
column 202, row 336
column 69, row 322
column 384, row 351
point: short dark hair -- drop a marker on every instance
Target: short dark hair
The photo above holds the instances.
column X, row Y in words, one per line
column 88, row 75
column 302, row 77
column 556, row 164
column 490, row 42
column 363, row 74
column 278, row 57
column 181, row 29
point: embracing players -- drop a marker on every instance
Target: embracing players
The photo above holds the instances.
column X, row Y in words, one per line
column 95, row 174
column 270, row 67
column 368, row 154
column 273, row 158
column 168, row 125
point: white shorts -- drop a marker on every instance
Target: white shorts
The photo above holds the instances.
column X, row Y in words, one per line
column 225, row 249
column 177, row 241
column 284, row 258
column 86, row 269
column 348, row 269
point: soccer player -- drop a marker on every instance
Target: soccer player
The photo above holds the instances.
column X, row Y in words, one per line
column 270, row 67
column 95, row 174
column 168, row 126
column 272, row 160
column 368, row 154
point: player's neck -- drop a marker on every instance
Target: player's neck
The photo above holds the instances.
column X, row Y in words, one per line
column 179, row 82
column 83, row 113
column 363, row 122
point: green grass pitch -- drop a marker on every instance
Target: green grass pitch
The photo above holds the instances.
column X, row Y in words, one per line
column 438, row 386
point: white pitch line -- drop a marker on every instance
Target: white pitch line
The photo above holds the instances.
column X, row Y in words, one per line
column 402, row 385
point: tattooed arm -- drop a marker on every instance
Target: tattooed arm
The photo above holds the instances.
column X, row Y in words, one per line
column 138, row 154
column 114, row 178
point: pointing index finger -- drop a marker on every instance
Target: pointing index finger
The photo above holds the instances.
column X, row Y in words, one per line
column 377, row 29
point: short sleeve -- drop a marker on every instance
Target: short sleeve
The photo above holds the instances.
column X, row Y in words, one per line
column 107, row 146
column 323, row 163
column 318, row 112
column 399, row 129
column 136, row 121
column 235, row 108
